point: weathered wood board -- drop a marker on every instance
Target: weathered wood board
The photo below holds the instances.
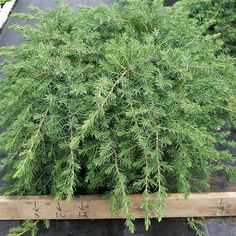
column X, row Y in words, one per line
column 96, row 207
column 5, row 11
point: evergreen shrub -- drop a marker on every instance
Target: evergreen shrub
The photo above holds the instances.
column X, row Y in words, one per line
column 220, row 15
column 120, row 99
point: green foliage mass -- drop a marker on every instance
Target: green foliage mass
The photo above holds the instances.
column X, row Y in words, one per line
column 197, row 225
column 2, row 2
column 221, row 17
column 116, row 100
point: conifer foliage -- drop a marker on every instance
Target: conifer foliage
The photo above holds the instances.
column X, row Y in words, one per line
column 115, row 100
column 220, row 15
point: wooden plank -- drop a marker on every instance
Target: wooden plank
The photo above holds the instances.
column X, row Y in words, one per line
column 5, row 11
column 96, row 207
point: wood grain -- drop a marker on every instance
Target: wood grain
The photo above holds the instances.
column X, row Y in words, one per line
column 97, row 207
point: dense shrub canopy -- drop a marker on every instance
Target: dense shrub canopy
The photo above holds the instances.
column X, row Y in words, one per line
column 121, row 99
column 220, row 15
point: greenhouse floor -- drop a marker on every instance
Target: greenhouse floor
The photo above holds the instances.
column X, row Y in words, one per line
column 173, row 227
